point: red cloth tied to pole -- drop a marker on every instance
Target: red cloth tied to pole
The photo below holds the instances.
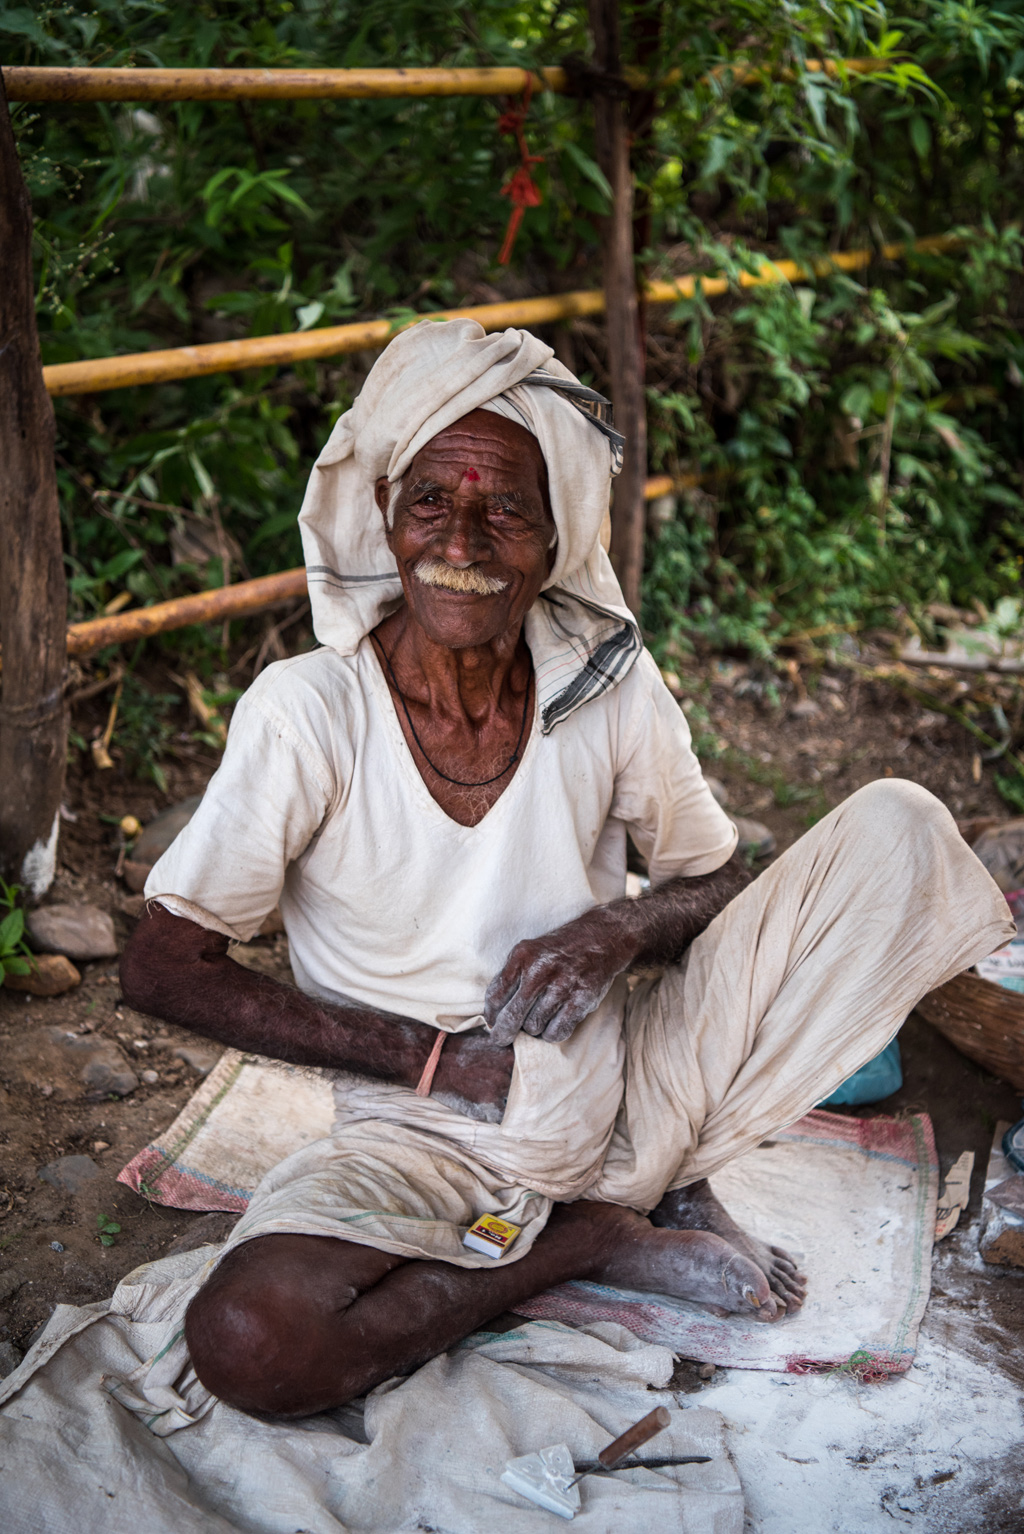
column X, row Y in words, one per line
column 520, row 188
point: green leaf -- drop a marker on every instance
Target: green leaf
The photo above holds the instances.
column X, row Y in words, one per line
column 920, row 136
column 588, row 168
column 203, row 479
column 11, row 929
column 309, row 314
column 720, row 151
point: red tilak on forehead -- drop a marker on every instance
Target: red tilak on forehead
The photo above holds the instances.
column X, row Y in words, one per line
column 472, row 476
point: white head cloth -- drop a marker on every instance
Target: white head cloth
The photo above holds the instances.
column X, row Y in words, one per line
column 582, row 637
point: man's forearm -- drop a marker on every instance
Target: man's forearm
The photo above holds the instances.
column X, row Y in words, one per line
column 664, row 922
column 181, row 972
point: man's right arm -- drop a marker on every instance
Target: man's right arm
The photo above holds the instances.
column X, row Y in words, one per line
column 175, row 969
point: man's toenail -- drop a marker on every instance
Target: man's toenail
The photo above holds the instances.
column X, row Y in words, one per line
column 748, row 1294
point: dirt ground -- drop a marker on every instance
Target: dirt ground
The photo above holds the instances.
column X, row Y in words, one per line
column 784, row 770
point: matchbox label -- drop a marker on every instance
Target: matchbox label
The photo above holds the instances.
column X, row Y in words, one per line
column 491, row 1235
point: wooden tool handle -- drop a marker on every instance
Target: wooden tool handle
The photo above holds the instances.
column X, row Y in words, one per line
column 635, row 1437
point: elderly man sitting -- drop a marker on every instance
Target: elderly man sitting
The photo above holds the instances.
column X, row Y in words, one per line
column 439, row 798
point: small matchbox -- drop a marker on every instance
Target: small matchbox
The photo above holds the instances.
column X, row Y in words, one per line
column 491, row 1235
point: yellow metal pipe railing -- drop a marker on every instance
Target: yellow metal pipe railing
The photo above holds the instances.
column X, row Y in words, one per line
column 138, row 368
column 302, row 346
column 53, row 83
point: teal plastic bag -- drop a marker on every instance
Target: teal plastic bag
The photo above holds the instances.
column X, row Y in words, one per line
column 879, row 1078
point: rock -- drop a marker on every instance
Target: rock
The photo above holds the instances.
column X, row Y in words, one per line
column 10, row 1283
column 70, row 1173
column 719, row 792
column 804, row 708
column 76, row 931
column 150, row 1078
column 56, row 1246
column 132, row 905
column 52, row 975
column 201, row 1060
column 156, row 839
column 98, row 1146
column 10, row 1358
column 755, row 838
column 68, row 1062
column 1001, row 850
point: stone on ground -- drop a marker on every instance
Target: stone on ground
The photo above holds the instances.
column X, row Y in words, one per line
column 10, row 1358
column 201, row 1060
column 69, row 1066
column 70, row 1173
column 52, row 975
column 156, row 839
column 76, row 931
column 755, row 838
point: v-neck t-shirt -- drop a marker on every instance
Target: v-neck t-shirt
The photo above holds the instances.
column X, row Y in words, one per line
column 318, row 807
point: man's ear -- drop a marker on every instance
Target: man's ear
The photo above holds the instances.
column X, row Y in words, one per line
column 382, row 494
column 552, row 551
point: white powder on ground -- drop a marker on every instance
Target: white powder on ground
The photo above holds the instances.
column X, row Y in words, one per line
column 934, row 1450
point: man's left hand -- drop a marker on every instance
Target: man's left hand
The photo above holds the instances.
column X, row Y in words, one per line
column 550, row 984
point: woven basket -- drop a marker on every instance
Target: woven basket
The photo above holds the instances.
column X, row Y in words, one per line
column 983, row 1020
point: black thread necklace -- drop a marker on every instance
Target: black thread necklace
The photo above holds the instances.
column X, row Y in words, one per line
column 458, row 782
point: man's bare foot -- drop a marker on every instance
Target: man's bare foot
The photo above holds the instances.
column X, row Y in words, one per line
column 694, row 1265
column 695, row 1208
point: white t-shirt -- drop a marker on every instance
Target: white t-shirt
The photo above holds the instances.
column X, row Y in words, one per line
column 318, row 806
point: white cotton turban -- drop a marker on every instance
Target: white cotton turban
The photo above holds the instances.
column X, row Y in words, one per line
column 429, row 377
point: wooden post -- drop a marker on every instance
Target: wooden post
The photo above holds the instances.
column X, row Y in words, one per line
column 625, row 355
column 33, row 591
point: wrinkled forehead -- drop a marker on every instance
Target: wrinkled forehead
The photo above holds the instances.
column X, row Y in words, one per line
column 484, row 443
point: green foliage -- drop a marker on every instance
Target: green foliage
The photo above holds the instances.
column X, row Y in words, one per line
column 144, row 729
column 858, row 437
column 852, row 479
column 108, row 1231
column 15, row 954
column 1011, row 790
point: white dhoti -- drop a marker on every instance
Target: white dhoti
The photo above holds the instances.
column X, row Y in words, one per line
column 801, row 980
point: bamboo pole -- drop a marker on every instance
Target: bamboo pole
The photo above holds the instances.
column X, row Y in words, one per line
column 33, row 593
column 135, row 368
column 56, row 84
column 238, row 601
column 29, row 83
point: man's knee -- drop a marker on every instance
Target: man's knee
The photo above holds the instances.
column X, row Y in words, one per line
column 259, row 1345
column 238, row 1341
column 890, row 808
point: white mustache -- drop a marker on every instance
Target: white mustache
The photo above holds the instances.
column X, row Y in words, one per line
column 438, row 572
